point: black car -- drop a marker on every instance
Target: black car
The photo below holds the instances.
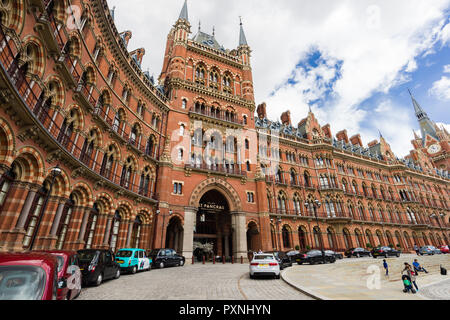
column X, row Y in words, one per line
column 315, row 256
column 357, row 252
column 385, row 252
column 97, row 265
column 293, row 255
column 335, row 254
column 166, row 258
column 282, row 258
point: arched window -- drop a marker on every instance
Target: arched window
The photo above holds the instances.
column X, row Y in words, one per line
column 91, row 226
column 136, row 234
column 331, row 238
column 5, row 184
column 36, row 212
column 317, row 238
column 286, row 237
column 64, row 223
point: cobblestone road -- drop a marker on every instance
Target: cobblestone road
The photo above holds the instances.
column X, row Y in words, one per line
column 193, row 282
column 437, row 291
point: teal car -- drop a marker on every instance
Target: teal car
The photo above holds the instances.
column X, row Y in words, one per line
column 133, row 260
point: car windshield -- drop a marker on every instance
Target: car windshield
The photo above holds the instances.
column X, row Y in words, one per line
column 124, row 254
column 154, row 252
column 21, row 282
column 314, row 252
column 86, row 255
column 263, row 257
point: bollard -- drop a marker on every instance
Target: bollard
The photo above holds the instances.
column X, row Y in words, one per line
column 203, row 259
column 192, row 259
column 242, row 260
column 223, row 259
column 214, row 259
column 232, row 259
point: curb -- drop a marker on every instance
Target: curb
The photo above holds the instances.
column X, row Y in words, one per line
column 302, row 289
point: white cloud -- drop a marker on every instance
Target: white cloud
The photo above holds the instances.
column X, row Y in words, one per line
column 447, row 68
column 376, row 44
column 441, row 89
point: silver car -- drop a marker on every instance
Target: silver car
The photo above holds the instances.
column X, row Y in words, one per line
column 264, row 264
column 429, row 250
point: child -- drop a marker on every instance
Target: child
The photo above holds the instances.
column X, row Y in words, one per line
column 407, row 284
column 386, row 267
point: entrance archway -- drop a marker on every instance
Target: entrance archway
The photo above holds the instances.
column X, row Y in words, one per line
column 213, row 231
column 174, row 235
column 253, row 238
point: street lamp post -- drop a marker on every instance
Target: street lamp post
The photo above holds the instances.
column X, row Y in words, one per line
column 315, row 205
column 55, row 173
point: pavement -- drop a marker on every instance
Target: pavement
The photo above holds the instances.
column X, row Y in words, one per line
column 193, row 282
column 364, row 279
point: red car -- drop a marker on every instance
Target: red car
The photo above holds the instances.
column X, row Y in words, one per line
column 28, row 276
column 444, row 249
column 69, row 275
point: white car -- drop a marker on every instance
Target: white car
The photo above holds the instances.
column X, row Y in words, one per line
column 264, row 265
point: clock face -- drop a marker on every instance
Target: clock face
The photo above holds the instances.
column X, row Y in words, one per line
column 435, row 148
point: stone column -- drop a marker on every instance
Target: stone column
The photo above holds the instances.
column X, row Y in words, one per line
column 227, row 245
column 108, row 231
column 130, row 231
column 238, row 222
column 57, row 219
column 190, row 216
column 26, row 209
column 84, row 225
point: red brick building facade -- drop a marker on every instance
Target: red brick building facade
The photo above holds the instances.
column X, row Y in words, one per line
column 94, row 153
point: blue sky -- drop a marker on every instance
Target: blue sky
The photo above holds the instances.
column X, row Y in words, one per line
column 352, row 61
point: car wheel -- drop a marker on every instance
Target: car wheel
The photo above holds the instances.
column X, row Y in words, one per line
column 398, row 255
column 134, row 270
column 386, row 255
column 252, row 276
column 161, row 265
column 358, row 255
column 117, row 276
column 312, row 262
column 181, row 263
column 99, row 280
column 277, row 277
column 299, row 263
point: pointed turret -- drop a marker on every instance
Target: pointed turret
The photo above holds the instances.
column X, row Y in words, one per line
column 242, row 38
column 184, row 12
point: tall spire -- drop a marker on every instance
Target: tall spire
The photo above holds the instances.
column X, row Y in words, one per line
column 184, row 12
column 242, row 38
column 426, row 125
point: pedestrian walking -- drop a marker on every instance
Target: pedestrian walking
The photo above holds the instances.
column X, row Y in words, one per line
column 413, row 275
column 416, row 249
column 407, row 279
column 386, row 267
column 418, row 268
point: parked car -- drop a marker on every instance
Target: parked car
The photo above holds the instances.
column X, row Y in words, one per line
column 97, row 265
column 335, row 254
column 293, row 255
column 282, row 259
column 384, row 252
column 437, row 250
column 428, row 250
column 444, row 249
column 69, row 280
column 166, row 258
column 28, row 276
column 133, row 260
column 264, row 264
column 315, row 256
column 357, row 252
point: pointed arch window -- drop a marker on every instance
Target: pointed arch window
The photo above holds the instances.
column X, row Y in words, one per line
column 91, row 226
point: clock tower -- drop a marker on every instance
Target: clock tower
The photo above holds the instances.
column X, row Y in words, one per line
column 434, row 143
